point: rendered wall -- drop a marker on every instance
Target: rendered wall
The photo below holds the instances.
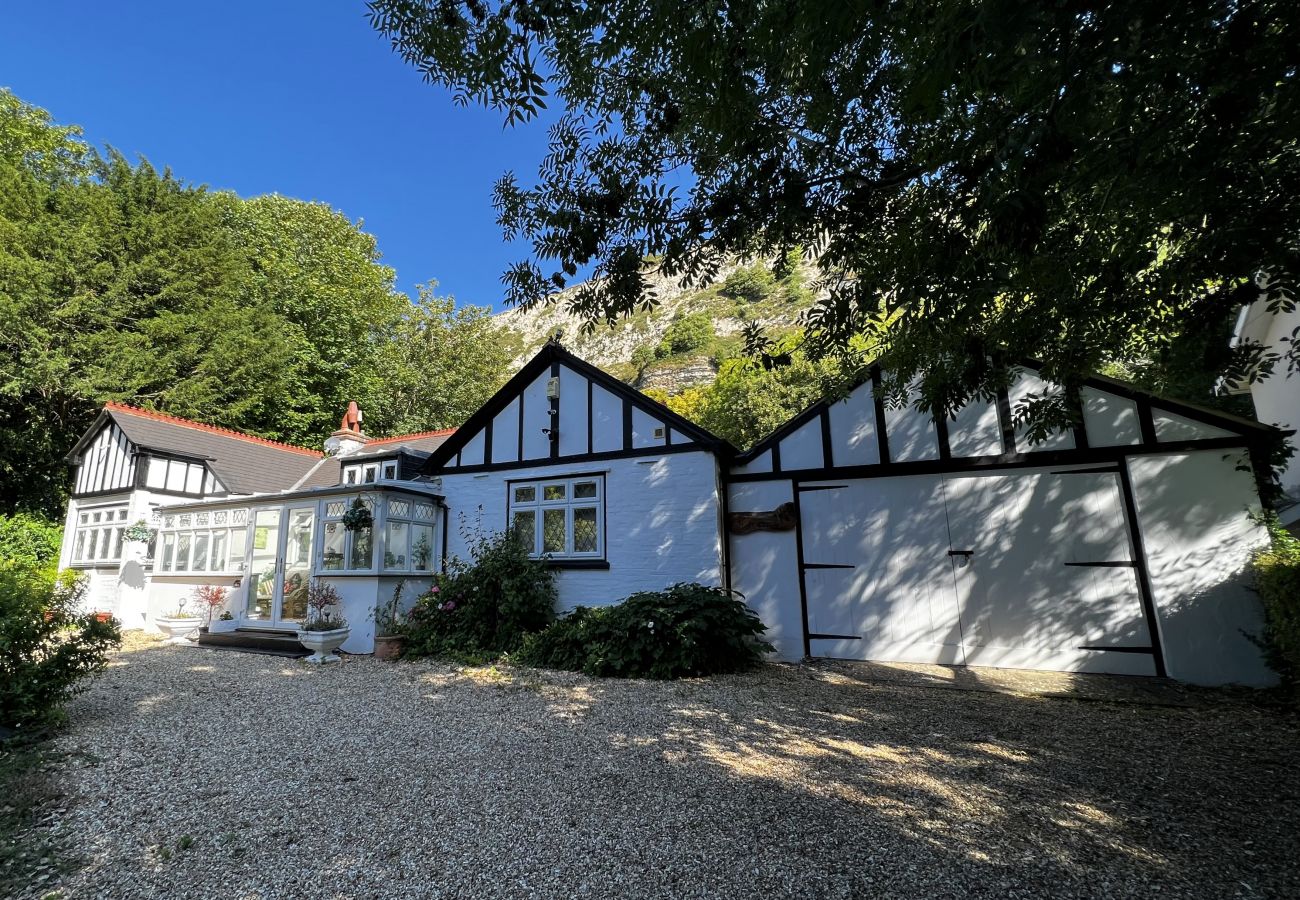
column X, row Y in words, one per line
column 1194, row 518
column 765, row 567
column 662, row 522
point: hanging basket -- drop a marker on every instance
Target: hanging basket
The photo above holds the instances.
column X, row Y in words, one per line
column 140, row 532
column 358, row 517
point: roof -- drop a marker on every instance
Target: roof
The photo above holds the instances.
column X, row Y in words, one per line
column 418, row 445
column 245, row 463
column 553, row 352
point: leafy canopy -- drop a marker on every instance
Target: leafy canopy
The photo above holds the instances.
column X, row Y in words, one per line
column 977, row 180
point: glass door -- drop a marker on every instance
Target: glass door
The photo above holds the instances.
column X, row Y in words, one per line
column 296, row 568
column 279, row 568
column 263, row 567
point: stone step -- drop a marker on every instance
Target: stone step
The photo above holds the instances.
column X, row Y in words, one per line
column 283, row 643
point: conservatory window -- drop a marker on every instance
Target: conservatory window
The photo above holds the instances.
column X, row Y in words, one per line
column 99, row 535
column 561, row 518
column 203, row 542
column 343, row 550
column 409, row 535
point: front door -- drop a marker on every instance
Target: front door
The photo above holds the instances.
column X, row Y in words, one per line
column 280, row 566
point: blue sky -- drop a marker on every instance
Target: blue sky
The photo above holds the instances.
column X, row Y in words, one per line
column 290, row 96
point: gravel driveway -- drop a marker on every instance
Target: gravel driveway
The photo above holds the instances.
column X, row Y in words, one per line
column 196, row 773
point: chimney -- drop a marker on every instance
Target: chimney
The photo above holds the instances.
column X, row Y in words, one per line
column 349, row 438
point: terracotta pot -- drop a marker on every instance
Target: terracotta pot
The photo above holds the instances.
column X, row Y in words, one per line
column 389, row 646
column 103, row 616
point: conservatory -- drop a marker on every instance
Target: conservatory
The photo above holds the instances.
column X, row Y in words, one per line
column 365, row 540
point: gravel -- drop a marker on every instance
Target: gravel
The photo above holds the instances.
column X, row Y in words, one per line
column 198, row 773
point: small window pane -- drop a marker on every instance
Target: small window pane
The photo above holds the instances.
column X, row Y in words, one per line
column 117, row 542
column 553, row 530
column 238, row 541
column 334, row 540
column 239, row 517
column 200, row 563
column 362, row 549
column 334, row 509
column 218, row 555
column 553, row 492
column 395, row 546
column 422, row 547
column 400, row 508
column 80, row 551
column 584, row 489
column 96, row 517
column 351, row 477
column 121, row 515
column 85, row 518
column 525, row 523
column 184, row 521
column 390, row 471
column 370, row 473
column 220, row 517
column 526, row 493
column 168, row 552
column 169, row 521
column 423, row 510
column 584, row 530
column 201, row 518
column 182, row 552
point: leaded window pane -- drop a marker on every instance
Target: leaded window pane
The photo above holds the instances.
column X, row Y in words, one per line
column 526, row 493
column 422, row 548
column 395, row 548
column 362, row 549
column 584, row 490
column 334, row 509
column 585, row 535
column 424, row 510
column 553, row 492
column 400, row 508
column 335, row 539
column 553, row 530
column 183, row 552
column 200, row 563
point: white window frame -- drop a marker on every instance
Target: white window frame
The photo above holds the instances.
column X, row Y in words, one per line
column 176, row 525
column 376, row 529
column 569, row 503
column 99, row 529
column 411, row 521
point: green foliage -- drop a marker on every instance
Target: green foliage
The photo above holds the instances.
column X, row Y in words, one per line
column 685, row 334
column 750, row 283
column 685, row 630
column 121, row 282
column 981, row 179
column 28, row 542
column 1277, row 578
column 748, row 402
column 47, row 648
column 483, row 607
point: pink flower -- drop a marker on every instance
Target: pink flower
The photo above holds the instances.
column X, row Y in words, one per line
column 435, row 589
column 450, row 605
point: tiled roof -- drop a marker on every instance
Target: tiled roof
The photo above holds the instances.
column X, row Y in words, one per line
column 245, row 463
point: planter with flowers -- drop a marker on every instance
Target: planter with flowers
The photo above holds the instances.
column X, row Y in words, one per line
column 390, row 626
column 325, row 630
column 179, row 625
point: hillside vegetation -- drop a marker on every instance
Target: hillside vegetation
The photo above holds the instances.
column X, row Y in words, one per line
column 682, row 342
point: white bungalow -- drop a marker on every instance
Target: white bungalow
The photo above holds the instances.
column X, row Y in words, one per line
column 856, row 531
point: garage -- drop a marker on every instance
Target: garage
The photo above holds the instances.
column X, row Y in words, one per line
column 1026, row 568
column 1122, row 545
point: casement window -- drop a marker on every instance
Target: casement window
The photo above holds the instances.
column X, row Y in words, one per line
column 341, row 549
column 99, row 535
column 176, row 476
column 561, row 518
column 409, row 535
column 192, row 543
column 369, row 472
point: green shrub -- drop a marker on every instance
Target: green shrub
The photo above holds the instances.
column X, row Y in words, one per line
column 1277, row 578
column 47, row 647
column 685, row 335
column 484, row 607
column 686, row 630
column 28, row 543
column 750, row 283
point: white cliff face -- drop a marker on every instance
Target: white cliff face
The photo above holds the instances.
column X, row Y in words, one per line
column 612, row 346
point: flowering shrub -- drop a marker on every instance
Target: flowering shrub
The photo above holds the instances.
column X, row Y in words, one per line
column 486, row 606
column 1277, row 578
column 211, row 597
column 687, row 629
column 47, row 646
column 322, row 598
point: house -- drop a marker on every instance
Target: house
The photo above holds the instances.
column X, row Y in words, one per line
column 1276, row 398
column 856, row 530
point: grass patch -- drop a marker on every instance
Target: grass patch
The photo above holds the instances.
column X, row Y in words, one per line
column 29, row 854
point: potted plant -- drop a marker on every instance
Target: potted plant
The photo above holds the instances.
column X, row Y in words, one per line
column 210, row 597
column 323, row 632
column 179, row 624
column 390, row 626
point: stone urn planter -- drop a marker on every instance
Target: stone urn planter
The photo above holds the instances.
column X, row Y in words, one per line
column 389, row 646
column 322, row 644
column 178, row 628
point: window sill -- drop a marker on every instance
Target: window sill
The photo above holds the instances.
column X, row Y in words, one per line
column 576, row 563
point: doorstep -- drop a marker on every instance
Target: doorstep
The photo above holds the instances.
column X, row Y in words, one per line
column 255, row 640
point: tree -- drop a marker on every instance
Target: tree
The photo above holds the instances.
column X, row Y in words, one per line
column 685, row 334
column 978, row 180
column 439, row 364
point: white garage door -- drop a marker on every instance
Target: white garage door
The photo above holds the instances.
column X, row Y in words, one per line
column 1025, row 569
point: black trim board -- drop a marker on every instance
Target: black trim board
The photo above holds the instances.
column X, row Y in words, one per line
column 575, row 459
column 550, row 355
